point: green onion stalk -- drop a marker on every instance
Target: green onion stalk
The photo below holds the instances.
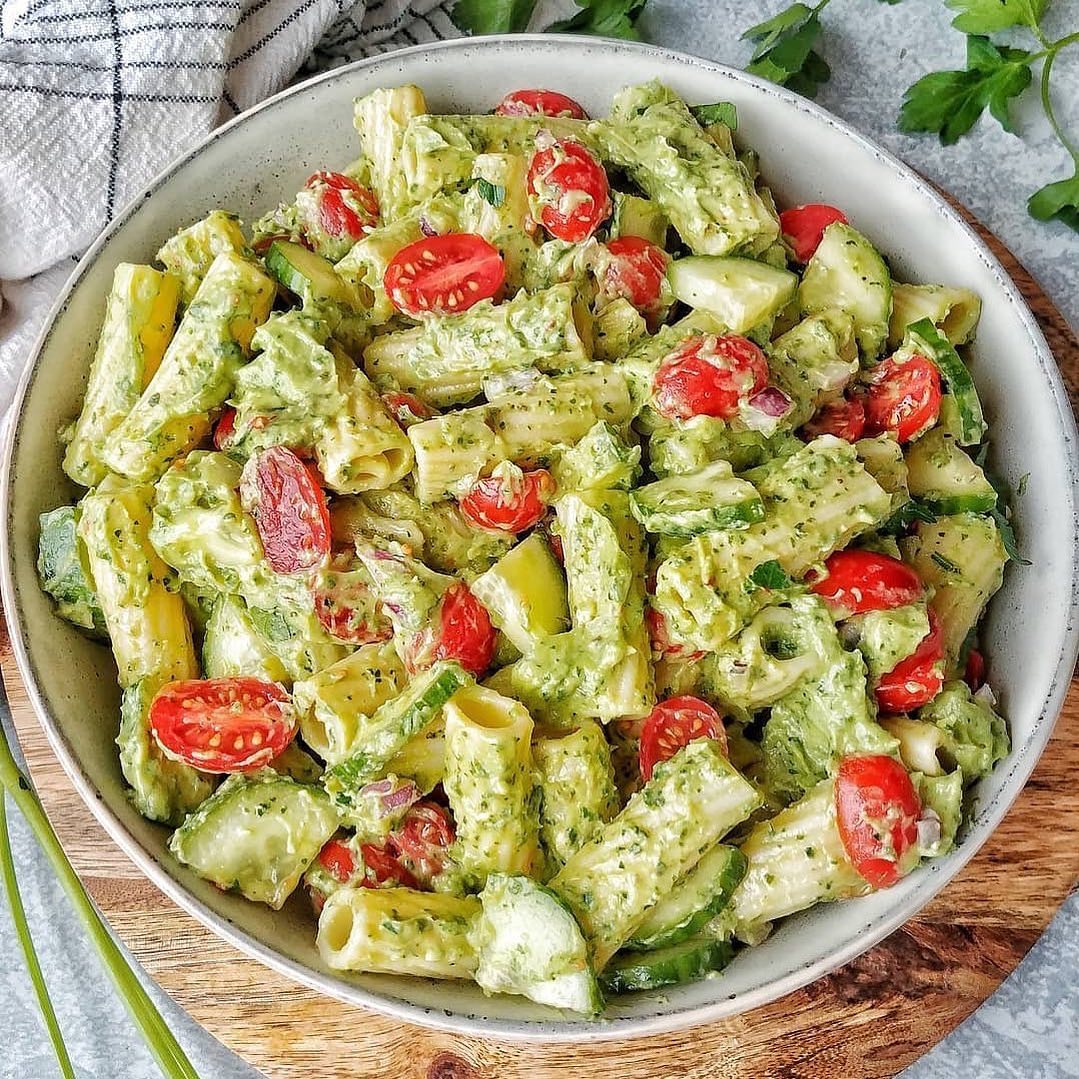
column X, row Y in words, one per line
column 160, row 1040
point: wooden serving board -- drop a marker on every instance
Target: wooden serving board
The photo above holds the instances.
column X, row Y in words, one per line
column 869, row 1019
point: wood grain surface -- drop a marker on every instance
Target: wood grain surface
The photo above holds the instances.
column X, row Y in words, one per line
column 866, row 1021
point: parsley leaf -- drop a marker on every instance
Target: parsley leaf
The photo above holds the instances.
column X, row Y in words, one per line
column 950, row 102
column 784, row 52
column 769, row 575
column 1059, row 200
column 899, row 522
column 609, row 18
column 492, row 16
column 1007, row 537
column 987, row 16
column 721, row 112
column 495, row 194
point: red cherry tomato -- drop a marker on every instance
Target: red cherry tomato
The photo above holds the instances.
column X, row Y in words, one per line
column 345, row 604
column 844, row 418
column 803, row 227
column 337, row 859
column 282, row 494
column 662, row 645
column 916, row 680
column 425, row 834
column 974, row 673
column 223, row 724
column 506, row 504
column 444, row 275
column 381, row 867
column 407, row 408
column 225, row 429
column 570, row 190
column 539, row 103
column 877, row 811
column 903, row 398
column 466, row 633
column 348, row 210
column 636, row 271
column 709, row 376
column 675, row 723
column 860, row 581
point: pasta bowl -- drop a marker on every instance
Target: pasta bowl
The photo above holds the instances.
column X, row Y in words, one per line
column 260, row 159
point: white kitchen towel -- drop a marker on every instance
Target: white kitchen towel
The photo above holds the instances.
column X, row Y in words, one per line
column 97, row 96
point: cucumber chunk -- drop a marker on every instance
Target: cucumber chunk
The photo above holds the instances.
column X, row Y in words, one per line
column 392, row 726
column 680, row 963
column 741, row 293
column 923, row 337
column 257, row 834
column 634, row 216
column 705, row 501
column 694, row 903
column 945, row 478
column 525, row 594
column 847, row 272
column 529, row 943
column 309, row 276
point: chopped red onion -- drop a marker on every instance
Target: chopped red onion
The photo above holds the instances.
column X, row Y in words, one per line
column 763, row 411
column 427, row 228
column 772, row 401
column 393, row 795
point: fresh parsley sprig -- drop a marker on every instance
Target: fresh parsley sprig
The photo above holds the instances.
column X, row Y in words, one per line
column 609, row 18
column 945, row 103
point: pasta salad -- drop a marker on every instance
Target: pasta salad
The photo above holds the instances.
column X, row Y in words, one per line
column 534, row 545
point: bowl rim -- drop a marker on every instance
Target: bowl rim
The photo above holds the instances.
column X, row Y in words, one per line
column 1021, row 763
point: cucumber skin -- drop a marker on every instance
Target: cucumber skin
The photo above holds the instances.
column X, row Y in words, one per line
column 730, row 879
column 364, row 767
column 956, row 504
column 686, row 962
column 929, row 340
column 688, row 523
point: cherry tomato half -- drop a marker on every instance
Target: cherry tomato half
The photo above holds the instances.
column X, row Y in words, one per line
column 508, row 504
column 223, row 724
column 709, row 376
column 345, row 603
column 381, row 867
column 636, row 271
column 859, row 581
column 337, row 859
column 406, row 408
column 444, row 275
column 334, row 212
column 844, row 418
column 225, row 429
column 569, row 189
column 903, row 397
column 877, row 811
column 282, row 494
column 974, row 672
column 539, row 103
column 662, row 645
column 675, row 723
column 466, row 633
column 803, row 227
column 421, row 841
column 916, row 680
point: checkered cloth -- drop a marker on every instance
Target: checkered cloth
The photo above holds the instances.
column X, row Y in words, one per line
column 97, row 96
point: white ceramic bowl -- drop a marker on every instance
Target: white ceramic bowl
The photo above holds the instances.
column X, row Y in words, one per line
column 263, row 157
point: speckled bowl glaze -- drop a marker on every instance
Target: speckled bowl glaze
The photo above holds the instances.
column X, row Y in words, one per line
column 263, row 157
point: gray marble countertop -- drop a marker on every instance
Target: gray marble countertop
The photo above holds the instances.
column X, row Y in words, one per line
column 1030, row 1027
